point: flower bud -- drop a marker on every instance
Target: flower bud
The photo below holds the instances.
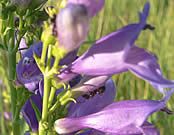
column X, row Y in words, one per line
column 72, row 25
column 94, row 6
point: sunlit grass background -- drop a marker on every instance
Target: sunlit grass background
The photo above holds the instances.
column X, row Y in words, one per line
column 116, row 14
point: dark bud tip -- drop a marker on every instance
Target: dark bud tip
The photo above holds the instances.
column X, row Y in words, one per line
column 148, row 26
column 167, row 110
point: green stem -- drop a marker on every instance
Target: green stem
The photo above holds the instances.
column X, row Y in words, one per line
column 21, row 23
column 47, row 86
column 44, row 52
column 44, row 106
column 3, row 131
column 12, row 71
column 53, row 90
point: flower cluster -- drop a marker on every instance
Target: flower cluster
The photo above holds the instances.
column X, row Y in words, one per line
column 89, row 77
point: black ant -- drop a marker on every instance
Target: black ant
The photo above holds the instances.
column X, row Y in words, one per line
column 93, row 93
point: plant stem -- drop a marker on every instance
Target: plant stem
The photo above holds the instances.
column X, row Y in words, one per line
column 12, row 71
column 2, row 116
column 53, row 90
column 44, row 106
column 11, row 76
column 47, row 86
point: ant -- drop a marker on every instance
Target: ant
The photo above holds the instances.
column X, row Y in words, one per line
column 93, row 93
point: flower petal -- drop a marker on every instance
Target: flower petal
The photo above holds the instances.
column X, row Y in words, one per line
column 72, row 26
column 88, row 84
column 27, row 69
column 144, row 65
column 114, row 118
column 147, row 128
column 107, row 55
column 95, row 103
column 94, row 6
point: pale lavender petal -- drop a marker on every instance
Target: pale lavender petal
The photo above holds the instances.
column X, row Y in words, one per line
column 88, row 84
column 94, row 6
column 107, row 55
column 72, row 25
column 23, row 45
column 119, row 117
column 66, row 76
column 92, row 105
column 147, row 128
column 144, row 65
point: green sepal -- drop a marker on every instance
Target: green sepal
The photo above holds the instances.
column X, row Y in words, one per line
column 38, row 114
column 47, row 36
column 38, row 61
column 54, row 82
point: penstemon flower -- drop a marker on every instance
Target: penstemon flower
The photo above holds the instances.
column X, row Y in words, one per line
column 72, row 24
column 27, row 70
column 94, row 104
column 123, row 117
column 116, row 53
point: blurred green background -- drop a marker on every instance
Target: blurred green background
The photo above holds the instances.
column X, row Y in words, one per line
column 116, row 14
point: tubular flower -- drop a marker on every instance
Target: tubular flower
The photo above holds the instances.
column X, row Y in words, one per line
column 94, row 104
column 94, row 6
column 27, row 70
column 123, row 117
column 116, row 53
column 72, row 24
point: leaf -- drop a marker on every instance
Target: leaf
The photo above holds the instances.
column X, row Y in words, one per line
column 38, row 114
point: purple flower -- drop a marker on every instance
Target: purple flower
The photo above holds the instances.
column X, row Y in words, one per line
column 116, row 53
column 72, row 24
column 123, row 117
column 94, row 104
column 94, row 6
column 27, row 70
column 29, row 113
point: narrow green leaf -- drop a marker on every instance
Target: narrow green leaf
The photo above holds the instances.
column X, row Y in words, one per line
column 38, row 114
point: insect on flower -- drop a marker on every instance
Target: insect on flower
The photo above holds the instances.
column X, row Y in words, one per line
column 93, row 93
